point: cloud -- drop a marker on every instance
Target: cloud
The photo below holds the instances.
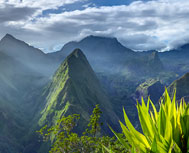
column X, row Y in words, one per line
column 9, row 12
column 141, row 25
column 43, row 4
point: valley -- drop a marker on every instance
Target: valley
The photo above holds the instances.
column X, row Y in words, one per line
column 37, row 89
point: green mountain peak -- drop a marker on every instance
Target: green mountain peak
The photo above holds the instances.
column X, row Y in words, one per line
column 75, row 89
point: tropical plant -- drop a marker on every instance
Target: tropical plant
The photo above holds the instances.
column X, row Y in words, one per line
column 164, row 131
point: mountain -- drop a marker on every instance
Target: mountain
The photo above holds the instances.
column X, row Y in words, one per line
column 144, row 64
column 17, row 80
column 181, row 86
column 31, row 96
column 103, row 53
column 177, row 59
column 95, row 45
column 109, row 56
column 75, row 89
column 153, row 88
column 20, row 86
column 13, row 128
column 27, row 55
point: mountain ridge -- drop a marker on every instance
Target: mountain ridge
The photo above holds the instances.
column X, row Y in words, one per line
column 75, row 89
column 28, row 55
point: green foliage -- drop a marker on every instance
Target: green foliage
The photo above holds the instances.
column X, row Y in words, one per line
column 166, row 131
column 69, row 142
column 95, row 124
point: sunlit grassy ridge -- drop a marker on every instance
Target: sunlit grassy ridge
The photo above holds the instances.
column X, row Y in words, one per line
column 165, row 131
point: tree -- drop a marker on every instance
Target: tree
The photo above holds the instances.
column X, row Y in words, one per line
column 65, row 141
column 95, row 124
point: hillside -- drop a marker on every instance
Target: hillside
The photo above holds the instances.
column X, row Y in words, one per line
column 31, row 97
column 177, row 59
column 27, row 55
column 76, row 89
column 152, row 88
column 145, row 65
column 20, row 86
column 182, row 87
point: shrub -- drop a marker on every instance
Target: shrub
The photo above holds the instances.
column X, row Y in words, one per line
column 91, row 141
column 166, row 131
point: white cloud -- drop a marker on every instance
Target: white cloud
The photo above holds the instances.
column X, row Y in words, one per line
column 140, row 25
column 44, row 4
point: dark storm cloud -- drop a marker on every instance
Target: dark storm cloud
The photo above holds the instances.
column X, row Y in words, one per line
column 11, row 13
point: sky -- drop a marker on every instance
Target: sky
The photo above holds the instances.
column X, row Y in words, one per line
column 139, row 25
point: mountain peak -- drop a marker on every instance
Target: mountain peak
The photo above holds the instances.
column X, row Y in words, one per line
column 76, row 57
column 154, row 56
column 8, row 36
column 77, row 53
column 99, row 38
column 77, row 63
column 76, row 89
column 8, row 39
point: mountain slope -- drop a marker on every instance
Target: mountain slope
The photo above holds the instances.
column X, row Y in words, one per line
column 76, row 89
column 145, row 64
column 19, row 88
column 181, row 86
column 152, row 88
column 13, row 128
column 29, row 56
column 176, row 60
column 15, row 78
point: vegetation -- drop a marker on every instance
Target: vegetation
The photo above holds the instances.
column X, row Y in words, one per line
column 163, row 131
column 70, row 142
column 166, row 131
column 74, row 89
column 181, row 85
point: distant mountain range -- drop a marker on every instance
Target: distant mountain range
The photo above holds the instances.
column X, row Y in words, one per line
column 108, row 51
column 176, row 60
column 38, row 88
column 109, row 56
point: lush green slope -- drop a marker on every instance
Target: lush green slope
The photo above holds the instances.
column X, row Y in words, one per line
column 76, row 89
column 181, row 86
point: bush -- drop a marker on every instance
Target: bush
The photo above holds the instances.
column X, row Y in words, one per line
column 91, row 141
